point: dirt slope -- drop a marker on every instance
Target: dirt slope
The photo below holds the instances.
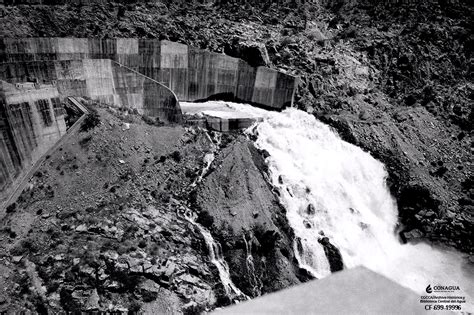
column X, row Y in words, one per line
column 249, row 222
column 97, row 227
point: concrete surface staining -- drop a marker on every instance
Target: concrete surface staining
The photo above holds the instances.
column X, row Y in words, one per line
column 193, row 74
column 365, row 292
column 31, row 122
column 100, row 79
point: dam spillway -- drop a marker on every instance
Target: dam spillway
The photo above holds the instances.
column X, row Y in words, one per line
column 147, row 75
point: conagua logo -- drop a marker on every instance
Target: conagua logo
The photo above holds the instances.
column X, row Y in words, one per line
column 442, row 288
column 428, row 289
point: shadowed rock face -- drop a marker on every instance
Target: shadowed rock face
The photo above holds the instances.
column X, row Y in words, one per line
column 248, row 221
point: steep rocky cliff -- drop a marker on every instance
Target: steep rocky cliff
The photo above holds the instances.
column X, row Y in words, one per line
column 248, row 221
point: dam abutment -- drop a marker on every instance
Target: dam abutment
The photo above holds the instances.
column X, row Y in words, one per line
column 148, row 75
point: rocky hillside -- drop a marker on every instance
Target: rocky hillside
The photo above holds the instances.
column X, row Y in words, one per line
column 98, row 227
column 395, row 79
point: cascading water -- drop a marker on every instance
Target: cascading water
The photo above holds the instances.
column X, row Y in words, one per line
column 208, row 157
column 215, row 250
column 332, row 188
column 255, row 282
column 216, row 257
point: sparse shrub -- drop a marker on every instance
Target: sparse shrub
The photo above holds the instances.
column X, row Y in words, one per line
column 126, row 117
column 90, row 209
column 85, row 141
column 130, row 230
column 287, row 40
column 91, row 121
column 11, row 208
column 148, row 120
column 176, row 156
column 148, row 296
column 161, row 195
column 109, row 245
column 155, row 250
column 122, row 249
column 142, row 244
column 92, row 220
column 134, row 307
column 350, row 32
column 50, row 193
column 8, row 230
column 189, row 173
column 23, row 247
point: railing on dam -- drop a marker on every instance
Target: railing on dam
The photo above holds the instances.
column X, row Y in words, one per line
column 193, row 74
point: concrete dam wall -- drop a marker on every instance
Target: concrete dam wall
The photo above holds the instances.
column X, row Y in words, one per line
column 100, row 79
column 192, row 74
column 32, row 117
column 31, row 121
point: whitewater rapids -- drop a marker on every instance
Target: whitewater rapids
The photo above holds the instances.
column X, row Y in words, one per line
column 351, row 204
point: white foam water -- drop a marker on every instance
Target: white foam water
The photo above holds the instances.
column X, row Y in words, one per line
column 214, row 248
column 350, row 204
column 217, row 259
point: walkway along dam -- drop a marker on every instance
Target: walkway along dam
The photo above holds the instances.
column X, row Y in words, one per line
column 152, row 76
